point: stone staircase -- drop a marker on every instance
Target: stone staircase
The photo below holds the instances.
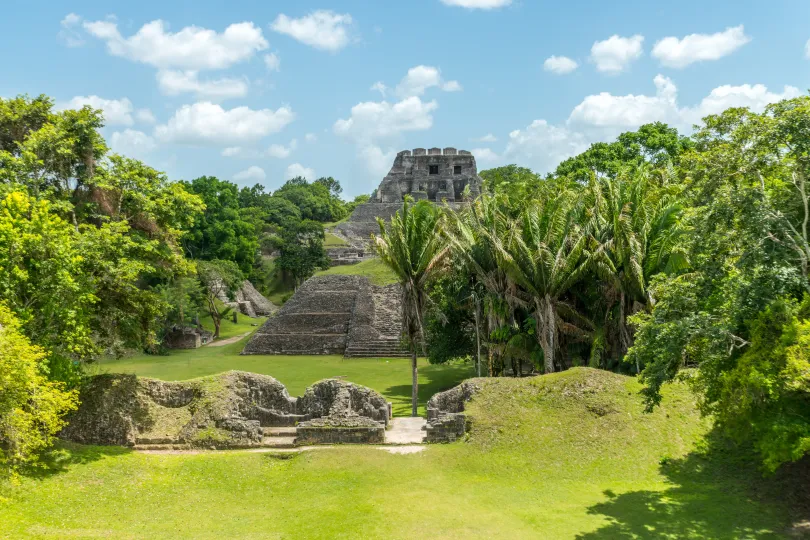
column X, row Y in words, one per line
column 279, row 437
column 378, row 348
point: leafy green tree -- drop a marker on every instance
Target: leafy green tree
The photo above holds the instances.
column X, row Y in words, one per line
column 300, row 248
column 219, row 279
column 32, row 409
column 316, row 201
column 413, row 245
column 223, row 232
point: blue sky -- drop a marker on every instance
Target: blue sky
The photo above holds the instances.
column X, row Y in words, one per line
column 258, row 91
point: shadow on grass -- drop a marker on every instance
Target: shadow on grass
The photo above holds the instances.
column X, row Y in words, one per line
column 64, row 455
column 717, row 492
column 432, row 380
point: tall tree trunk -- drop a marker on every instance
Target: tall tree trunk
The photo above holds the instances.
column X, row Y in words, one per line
column 415, row 381
column 546, row 330
column 477, row 337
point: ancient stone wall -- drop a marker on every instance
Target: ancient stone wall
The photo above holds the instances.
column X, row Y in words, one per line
column 445, row 410
column 225, row 411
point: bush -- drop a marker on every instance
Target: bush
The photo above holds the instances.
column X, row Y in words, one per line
column 32, row 409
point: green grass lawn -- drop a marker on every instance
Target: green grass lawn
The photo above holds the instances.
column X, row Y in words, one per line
column 569, row 455
column 389, row 376
column 330, row 240
column 374, row 269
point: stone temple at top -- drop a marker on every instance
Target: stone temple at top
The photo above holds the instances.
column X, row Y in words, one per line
column 435, row 174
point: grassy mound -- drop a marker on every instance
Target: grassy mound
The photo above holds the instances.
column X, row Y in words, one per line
column 374, row 269
column 570, row 455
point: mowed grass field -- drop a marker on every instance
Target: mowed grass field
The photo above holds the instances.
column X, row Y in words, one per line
column 569, row 455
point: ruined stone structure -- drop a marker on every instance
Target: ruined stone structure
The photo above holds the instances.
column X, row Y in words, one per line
column 187, row 337
column 445, row 411
column 334, row 315
column 232, row 410
column 435, row 175
column 248, row 301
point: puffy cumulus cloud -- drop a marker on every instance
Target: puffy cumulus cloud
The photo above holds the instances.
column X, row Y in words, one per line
column 377, row 161
column 631, row 111
column 607, row 110
column 478, row 4
column 485, row 155
column 280, row 151
column 191, row 48
column 616, row 53
column 756, row 97
column 420, row 78
column 272, row 61
column 560, row 65
column 543, row 146
column 208, row 123
column 145, row 116
column 679, row 53
column 117, row 112
column 174, row 83
column 132, row 143
column 70, row 30
column 373, row 119
column 296, row 169
column 322, row 29
column 251, row 174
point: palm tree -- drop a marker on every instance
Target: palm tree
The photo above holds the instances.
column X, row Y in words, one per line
column 636, row 225
column 470, row 238
column 545, row 255
column 414, row 247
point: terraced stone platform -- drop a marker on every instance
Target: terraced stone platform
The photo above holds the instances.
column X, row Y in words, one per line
column 335, row 315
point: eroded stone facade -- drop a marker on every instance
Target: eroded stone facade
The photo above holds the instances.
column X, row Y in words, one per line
column 436, row 175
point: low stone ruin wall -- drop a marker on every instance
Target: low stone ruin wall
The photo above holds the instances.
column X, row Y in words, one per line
column 445, row 411
column 224, row 411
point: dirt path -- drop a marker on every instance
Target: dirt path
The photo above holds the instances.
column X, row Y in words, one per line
column 223, row 342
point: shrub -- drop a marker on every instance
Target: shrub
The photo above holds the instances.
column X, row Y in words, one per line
column 32, row 409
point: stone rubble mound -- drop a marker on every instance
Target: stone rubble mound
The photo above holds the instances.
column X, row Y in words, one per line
column 232, row 410
column 445, row 411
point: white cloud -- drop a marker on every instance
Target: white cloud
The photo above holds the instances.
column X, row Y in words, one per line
column 272, row 61
column 296, row 169
column 489, row 137
column 616, row 53
column 607, row 110
column 208, row 123
column 232, row 151
column 807, row 49
column 601, row 117
column 191, row 48
column 280, row 151
column 117, row 112
column 145, row 116
column 251, row 174
column 372, row 119
column 322, row 29
column 485, row 155
column 478, row 4
column 69, row 32
column 380, row 87
column 542, row 146
column 756, row 97
column 310, row 137
column 132, row 143
column 560, row 65
column 420, row 78
column 679, row 53
column 377, row 161
column 174, row 83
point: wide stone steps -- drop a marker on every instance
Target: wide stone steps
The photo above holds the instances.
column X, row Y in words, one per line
column 278, row 442
column 390, row 348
